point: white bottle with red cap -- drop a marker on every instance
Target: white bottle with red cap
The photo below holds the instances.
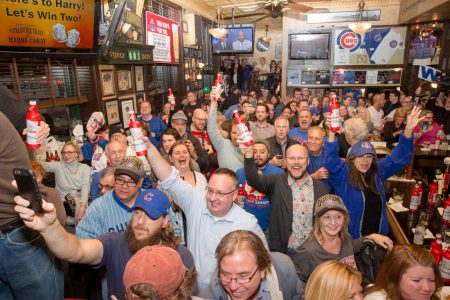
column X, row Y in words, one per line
column 33, row 119
column 334, row 109
column 218, row 85
column 246, row 135
column 171, row 97
column 137, row 135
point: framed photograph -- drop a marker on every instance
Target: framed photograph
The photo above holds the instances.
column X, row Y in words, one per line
column 112, row 112
column 186, row 52
column 139, row 98
column 278, row 51
column 139, row 77
column 126, row 105
column 124, row 81
column 185, row 26
column 107, row 81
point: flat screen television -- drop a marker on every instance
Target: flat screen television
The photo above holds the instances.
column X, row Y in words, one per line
column 309, row 46
column 240, row 40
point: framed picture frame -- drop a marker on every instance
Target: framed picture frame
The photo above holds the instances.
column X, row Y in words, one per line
column 107, row 83
column 112, row 112
column 139, row 78
column 124, row 81
column 278, row 51
column 186, row 52
column 140, row 97
column 185, row 26
column 125, row 106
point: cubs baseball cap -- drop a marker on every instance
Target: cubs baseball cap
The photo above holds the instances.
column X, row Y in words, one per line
column 131, row 166
column 159, row 266
column 328, row 202
column 154, row 202
column 361, row 148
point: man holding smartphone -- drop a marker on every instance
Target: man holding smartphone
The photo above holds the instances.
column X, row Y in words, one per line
column 23, row 252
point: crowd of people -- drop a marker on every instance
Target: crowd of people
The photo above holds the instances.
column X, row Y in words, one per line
column 206, row 216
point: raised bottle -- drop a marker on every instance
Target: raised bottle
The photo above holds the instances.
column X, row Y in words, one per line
column 246, row 135
column 137, row 135
column 33, row 119
column 334, row 109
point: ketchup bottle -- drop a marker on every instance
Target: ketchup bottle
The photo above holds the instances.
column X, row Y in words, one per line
column 415, row 200
column 334, row 109
column 445, row 267
column 33, row 119
column 136, row 135
column 171, row 98
column 436, row 249
column 432, row 193
column 218, row 84
column 246, row 135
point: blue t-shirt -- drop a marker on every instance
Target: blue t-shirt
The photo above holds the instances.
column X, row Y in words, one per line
column 297, row 135
column 315, row 163
column 116, row 255
column 157, row 126
column 256, row 203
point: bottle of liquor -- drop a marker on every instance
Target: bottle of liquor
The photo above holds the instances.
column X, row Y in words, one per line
column 137, row 135
column 419, row 234
column 445, row 267
column 218, row 84
column 57, row 156
column 432, row 193
column 415, row 200
column 33, row 119
column 171, row 98
column 246, row 135
column 334, row 109
column 436, row 248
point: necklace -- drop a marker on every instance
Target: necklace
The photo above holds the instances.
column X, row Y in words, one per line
column 73, row 172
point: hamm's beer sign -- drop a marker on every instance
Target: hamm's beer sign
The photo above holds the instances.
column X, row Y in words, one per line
column 379, row 46
column 47, row 23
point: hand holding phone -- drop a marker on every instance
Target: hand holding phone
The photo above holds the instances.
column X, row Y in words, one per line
column 28, row 188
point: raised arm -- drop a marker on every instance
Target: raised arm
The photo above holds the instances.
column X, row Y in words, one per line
column 160, row 167
column 64, row 245
column 213, row 131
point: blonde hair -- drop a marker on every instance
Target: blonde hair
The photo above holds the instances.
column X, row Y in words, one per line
column 356, row 128
column 241, row 240
column 343, row 234
column 331, row 280
column 76, row 147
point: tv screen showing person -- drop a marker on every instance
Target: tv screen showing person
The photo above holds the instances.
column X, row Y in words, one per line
column 237, row 40
column 242, row 43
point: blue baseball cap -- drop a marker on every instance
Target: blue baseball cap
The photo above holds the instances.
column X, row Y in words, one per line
column 361, row 148
column 326, row 109
column 154, row 202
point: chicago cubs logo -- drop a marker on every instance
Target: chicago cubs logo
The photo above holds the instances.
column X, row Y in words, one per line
column 148, row 196
column 366, row 145
column 347, row 39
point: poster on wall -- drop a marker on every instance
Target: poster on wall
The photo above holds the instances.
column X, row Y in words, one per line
column 323, row 77
column 164, row 35
column 47, row 24
column 379, row 46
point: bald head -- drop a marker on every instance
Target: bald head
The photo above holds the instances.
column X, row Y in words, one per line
column 115, row 152
column 199, row 119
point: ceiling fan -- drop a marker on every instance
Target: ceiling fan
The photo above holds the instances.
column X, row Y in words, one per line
column 267, row 8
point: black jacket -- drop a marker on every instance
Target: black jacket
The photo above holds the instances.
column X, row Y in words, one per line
column 276, row 187
column 275, row 147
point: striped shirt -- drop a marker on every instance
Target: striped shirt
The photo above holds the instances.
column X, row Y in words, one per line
column 106, row 214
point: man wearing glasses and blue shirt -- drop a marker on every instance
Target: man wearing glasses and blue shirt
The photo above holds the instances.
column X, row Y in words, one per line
column 210, row 214
column 112, row 211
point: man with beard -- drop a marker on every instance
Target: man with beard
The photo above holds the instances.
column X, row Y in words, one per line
column 260, row 128
column 292, row 197
column 255, row 202
column 149, row 225
column 112, row 211
column 300, row 134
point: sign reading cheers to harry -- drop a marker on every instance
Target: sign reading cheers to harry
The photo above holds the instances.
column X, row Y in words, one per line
column 47, row 23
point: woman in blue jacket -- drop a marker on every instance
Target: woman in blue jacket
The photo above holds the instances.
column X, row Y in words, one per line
column 359, row 179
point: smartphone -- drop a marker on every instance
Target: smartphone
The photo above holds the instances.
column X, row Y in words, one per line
column 424, row 126
column 28, row 188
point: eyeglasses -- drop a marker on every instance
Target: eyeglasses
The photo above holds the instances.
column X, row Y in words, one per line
column 68, row 152
column 212, row 192
column 240, row 280
column 130, row 183
column 106, row 187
